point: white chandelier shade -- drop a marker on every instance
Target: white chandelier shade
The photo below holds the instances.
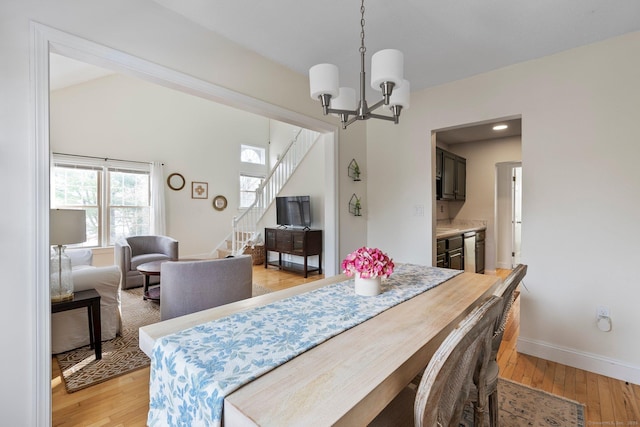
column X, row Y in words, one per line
column 400, row 96
column 346, row 99
column 387, row 66
column 323, row 80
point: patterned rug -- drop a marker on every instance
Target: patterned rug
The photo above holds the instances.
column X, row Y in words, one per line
column 120, row 355
column 522, row 406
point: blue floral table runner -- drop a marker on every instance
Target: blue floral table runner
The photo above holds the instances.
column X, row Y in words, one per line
column 193, row 370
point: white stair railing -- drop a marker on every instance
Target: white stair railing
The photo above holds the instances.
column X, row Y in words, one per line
column 244, row 226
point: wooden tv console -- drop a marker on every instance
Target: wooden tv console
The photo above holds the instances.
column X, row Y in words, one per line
column 300, row 242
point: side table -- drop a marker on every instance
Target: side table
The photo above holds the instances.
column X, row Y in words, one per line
column 90, row 299
column 149, row 269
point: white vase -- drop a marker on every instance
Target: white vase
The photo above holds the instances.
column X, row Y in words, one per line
column 368, row 287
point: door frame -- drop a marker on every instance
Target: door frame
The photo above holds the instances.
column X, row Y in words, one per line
column 46, row 40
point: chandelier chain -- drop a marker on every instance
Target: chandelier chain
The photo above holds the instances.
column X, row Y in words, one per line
column 362, row 49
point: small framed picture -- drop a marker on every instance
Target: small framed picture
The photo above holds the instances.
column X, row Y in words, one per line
column 199, row 190
column 219, row 203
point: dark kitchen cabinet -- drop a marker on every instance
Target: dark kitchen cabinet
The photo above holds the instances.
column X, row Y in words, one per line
column 441, row 257
column 455, row 252
column 448, row 176
column 461, row 178
column 450, row 253
column 439, row 153
column 480, row 235
column 451, row 179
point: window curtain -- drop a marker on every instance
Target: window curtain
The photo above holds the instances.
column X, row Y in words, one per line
column 158, row 216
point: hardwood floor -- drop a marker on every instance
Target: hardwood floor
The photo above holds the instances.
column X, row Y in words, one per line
column 609, row 402
column 123, row 401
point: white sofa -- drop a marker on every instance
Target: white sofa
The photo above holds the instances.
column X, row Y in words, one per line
column 70, row 329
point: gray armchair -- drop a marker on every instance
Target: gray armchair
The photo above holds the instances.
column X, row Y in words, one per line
column 130, row 252
column 190, row 286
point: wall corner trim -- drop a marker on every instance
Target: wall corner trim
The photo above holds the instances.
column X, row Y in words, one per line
column 582, row 360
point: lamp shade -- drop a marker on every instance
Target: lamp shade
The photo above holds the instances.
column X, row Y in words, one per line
column 346, row 99
column 400, row 95
column 387, row 66
column 67, row 226
column 323, row 80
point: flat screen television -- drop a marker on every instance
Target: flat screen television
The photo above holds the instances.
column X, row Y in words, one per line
column 294, row 211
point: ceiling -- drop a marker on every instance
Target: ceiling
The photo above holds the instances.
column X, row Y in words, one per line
column 65, row 72
column 480, row 132
column 442, row 41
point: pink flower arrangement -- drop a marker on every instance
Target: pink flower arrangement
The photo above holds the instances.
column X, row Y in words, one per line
column 368, row 263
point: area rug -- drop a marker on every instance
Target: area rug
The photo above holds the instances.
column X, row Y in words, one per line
column 259, row 290
column 121, row 355
column 522, row 406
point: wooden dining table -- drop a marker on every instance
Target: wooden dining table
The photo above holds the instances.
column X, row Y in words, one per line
column 348, row 379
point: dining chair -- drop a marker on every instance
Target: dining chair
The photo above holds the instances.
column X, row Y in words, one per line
column 506, row 291
column 444, row 387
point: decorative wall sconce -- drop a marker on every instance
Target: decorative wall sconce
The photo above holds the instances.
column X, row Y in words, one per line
column 355, row 208
column 353, row 170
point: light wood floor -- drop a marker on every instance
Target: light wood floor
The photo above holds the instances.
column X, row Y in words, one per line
column 123, row 401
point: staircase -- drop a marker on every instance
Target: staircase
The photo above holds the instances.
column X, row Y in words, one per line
column 245, row 226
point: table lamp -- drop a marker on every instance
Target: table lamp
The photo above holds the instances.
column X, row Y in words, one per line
column 66, row 226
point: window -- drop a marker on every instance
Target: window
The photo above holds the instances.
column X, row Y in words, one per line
column 251, row 154
column 115, row 195
column 248, row 186
column 253, row 168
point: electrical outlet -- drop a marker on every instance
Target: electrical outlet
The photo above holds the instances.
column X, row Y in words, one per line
column 603, row 311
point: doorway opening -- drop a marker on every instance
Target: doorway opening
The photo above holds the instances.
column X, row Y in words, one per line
column 47, row 40
column 480, row 146
column 508, row 214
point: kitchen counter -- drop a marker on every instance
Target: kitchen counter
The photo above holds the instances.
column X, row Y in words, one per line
column 450, row 231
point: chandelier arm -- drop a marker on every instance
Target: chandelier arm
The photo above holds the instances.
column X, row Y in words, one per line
column 376, row 105
column 352, row 120
column 380, row 116
column 338, row 111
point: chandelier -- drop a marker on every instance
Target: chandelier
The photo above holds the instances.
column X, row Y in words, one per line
column 386, row 77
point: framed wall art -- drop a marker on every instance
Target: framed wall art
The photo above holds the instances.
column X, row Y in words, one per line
column 175, row 181
column 219, row 203
column 199, row 190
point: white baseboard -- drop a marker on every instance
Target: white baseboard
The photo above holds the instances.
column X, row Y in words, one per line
column 504, row 265
column 582, row 360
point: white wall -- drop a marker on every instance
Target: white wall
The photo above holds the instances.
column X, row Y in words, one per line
column 280, row 136
column 353, row 229
column 480, row 200
column 580, row 193
column 399, row 187
column 126, row 118
column 140, row 28
column 308, row 180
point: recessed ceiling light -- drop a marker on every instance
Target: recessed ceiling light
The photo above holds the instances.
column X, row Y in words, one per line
column 500, row 127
